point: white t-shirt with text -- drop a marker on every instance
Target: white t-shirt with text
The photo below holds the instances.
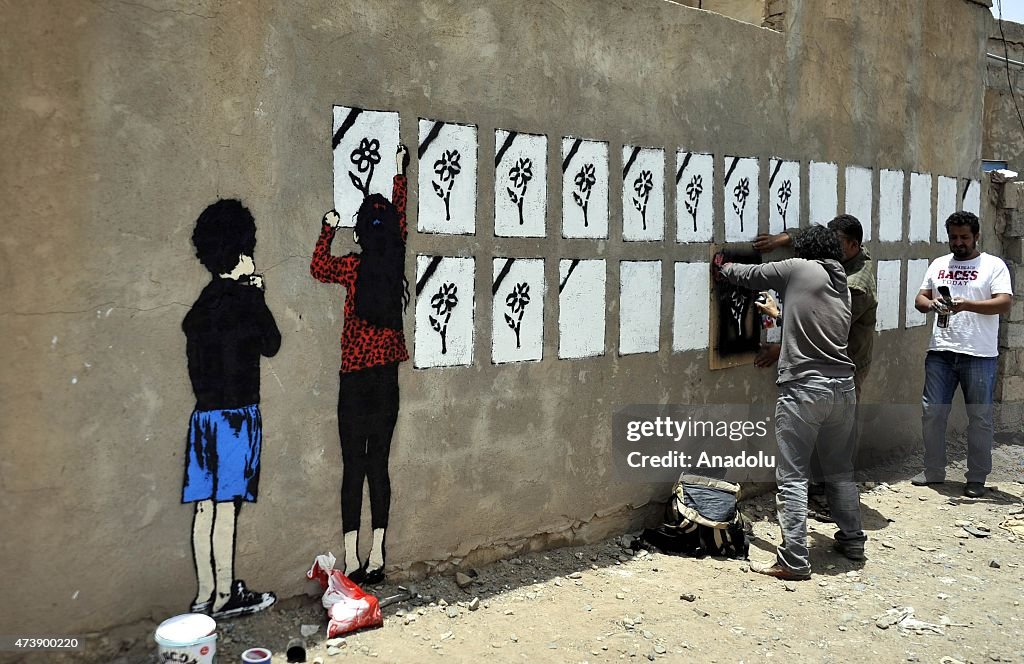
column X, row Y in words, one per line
column 980, row 278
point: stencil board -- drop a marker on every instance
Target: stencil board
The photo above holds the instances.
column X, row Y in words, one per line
column 735, row 328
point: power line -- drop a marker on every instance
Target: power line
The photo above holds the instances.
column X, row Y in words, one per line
column 1006, row 63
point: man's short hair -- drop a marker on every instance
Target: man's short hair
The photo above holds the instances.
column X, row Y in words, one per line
column 964, row 218
column 224, row 231
column 848, row 225
column 817, row 243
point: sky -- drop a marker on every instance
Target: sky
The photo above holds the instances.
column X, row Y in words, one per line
column 1013, row 10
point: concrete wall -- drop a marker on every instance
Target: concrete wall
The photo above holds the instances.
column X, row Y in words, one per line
column 125, row 120
column 1004, row 137
column 748, row 11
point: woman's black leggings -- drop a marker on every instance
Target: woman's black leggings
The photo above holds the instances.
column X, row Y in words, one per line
column 367, row 412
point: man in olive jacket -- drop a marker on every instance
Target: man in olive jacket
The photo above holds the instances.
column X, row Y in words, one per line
column 860, row 278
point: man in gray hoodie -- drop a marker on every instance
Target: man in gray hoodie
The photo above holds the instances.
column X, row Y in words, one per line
column 816, row 402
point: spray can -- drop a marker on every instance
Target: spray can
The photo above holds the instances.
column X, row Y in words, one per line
column 943, row 319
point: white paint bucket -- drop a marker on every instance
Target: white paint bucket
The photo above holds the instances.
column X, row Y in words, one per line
column 187, row 639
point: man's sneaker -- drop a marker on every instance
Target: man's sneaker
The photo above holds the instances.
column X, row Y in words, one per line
column 974, row 489
column 922, row 480
column 202, row 607
column 779, row 572
column 243, row 601
column 852, row 550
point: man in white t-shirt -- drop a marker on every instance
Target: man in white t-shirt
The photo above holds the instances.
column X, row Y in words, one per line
column 965, row 352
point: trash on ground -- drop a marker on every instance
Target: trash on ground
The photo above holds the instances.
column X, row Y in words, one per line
column 348, row 606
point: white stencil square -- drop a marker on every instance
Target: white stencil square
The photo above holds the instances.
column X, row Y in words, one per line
column 823, row 195
column 517, row 310
column 695, row 197
column 916, row 270
column 890, row 205
column 691, row 315
column 639, row 307
column 520, row 184
column 447, row 178
column 581, row 308
column 783, row 195
column 920, row 207
column 584, row 188
column 444, row 311
column 945, row 205
column 643, row 194
column 364, row 144
column 740, row 194
column 888, row 317
column 859, row 196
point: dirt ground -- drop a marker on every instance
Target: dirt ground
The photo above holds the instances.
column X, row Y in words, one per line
column 602, row 603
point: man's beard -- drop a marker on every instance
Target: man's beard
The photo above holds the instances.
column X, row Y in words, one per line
column 962, row 252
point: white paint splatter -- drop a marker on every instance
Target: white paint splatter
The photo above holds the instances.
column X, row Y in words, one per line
column 74, row 380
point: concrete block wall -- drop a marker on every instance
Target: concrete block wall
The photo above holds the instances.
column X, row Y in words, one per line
column 1006, row 204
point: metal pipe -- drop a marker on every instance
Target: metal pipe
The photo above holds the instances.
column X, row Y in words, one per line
column 1000, row 58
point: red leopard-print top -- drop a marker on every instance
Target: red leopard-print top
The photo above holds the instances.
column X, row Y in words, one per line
column 362, row 345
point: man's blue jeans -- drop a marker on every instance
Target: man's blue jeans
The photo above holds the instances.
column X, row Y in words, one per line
column 976, row 376
column 815, row 413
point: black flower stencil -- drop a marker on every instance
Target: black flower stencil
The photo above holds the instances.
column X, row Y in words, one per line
column 447, row 167
column 443, row 302
column 643, row 185
column 517, row 300
column 365, row 157
column 585, row 180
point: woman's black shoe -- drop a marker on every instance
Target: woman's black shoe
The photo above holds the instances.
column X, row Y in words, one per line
column 358, row 577
column 374, row 577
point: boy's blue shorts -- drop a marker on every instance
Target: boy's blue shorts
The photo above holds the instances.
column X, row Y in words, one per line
column 222, row 462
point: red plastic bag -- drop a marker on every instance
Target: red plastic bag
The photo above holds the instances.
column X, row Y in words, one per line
column 348, row 607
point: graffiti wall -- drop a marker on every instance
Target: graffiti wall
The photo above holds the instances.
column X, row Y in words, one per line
column 455, row 331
